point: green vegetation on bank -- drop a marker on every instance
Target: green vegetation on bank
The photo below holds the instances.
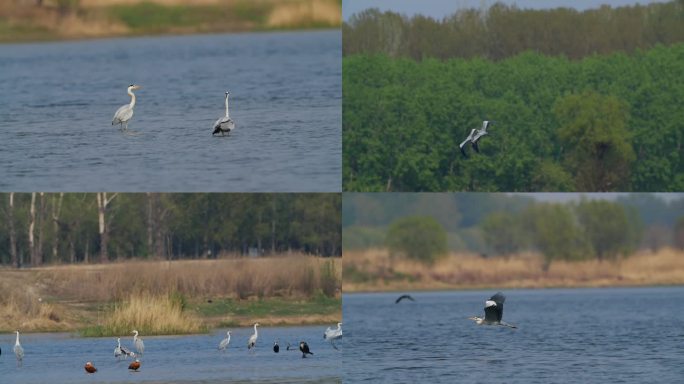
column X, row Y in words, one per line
column 603, row 123
column 71, row 19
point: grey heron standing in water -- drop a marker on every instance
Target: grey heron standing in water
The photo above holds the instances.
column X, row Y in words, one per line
column 125, row 113
column 18, row 350
column 253, row 339
column 493, row 312
column 118, row 352
column 474, row 136
column 138, row 342
column 224, row 124
column 224, row 343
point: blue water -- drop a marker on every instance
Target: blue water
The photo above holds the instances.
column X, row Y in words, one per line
column 59, row 358
column 633, row 335
column 58, row 100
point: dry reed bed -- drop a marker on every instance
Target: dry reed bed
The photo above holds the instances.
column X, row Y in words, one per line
column 374, row 270
column 296, row 276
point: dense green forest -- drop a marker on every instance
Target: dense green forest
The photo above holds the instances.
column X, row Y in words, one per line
column 608, row 122
column 40, row 228
column 499, row 224
column 502, row 31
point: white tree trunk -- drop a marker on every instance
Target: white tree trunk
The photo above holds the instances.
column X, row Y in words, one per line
column 32, row 227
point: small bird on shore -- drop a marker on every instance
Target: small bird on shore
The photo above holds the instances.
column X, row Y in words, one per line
column 493, row 312
column 304, row 348
column 135, row 365
column 138, row 342
column 276, row 347
column 90, row 368
column 224, row 343
column 253, row 339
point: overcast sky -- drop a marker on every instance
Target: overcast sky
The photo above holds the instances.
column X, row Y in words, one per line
column 440, row 8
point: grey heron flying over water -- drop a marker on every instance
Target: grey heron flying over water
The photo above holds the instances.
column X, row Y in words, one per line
column 224, row 124
column 125, row 113
column 474, row 136
column 402, row 297
column 18, row 350
column 493, row 312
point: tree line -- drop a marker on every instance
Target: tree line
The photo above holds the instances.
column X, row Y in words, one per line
column 46, row 228
column 502, row 31
column 603, row 123
column 495, row 225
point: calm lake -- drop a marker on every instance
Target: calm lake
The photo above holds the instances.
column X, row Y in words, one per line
column 59, row 358
column 58, row 100
column 630, row 335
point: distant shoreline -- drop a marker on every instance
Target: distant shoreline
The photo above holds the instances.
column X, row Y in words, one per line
column 47, row 23
column 372, row 271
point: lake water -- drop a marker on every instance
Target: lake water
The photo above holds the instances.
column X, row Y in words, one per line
column 59, row 358
column 58, row 100
column 564, row 336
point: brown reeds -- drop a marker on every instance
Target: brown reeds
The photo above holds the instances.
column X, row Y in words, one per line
column 373, row 270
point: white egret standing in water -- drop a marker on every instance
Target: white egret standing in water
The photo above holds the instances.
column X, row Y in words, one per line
column 125, row 113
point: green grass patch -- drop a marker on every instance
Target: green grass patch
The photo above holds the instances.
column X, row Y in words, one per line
column 23, row 32
column 276, row 307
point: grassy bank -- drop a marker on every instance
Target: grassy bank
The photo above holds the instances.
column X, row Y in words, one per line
column 88, row 19
column 373, row 270
column 171, row 297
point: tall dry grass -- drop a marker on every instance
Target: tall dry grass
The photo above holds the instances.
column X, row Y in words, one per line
column 374, row 270
column 22, row 308
column 297, row 276
column 148, row 314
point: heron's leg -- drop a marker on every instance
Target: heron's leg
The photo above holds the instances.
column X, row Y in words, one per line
column 333, row 344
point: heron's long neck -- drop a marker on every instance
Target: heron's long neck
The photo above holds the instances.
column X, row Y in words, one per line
column 17, row 343
column 256, row 333
column 118, row 342
column 228, row 116
column 130, row 93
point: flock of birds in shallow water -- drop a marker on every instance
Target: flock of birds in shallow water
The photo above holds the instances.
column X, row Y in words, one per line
column 493, row 310
column 125, row 113
column 331, row 334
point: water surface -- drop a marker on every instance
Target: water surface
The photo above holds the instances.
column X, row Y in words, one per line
column 633, row 335
column 58, row 100
column 59, row 358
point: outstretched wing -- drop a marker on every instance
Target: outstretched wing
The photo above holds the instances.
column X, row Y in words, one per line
column 494, row 308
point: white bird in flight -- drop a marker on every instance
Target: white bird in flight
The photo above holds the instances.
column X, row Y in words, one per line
column 224, row 124
column 125, row 112
column 474, row 136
